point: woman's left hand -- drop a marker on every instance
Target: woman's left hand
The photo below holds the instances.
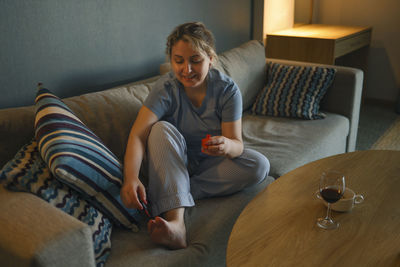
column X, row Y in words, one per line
column 216, row 146
column 228, row 144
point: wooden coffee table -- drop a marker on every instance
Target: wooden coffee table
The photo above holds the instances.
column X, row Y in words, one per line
column 278, row 227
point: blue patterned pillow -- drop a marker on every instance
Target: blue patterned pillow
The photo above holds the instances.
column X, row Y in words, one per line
column 293, row 91
column 27, row 172
column 78, row 158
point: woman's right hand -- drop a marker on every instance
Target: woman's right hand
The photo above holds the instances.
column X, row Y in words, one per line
column 131, row 192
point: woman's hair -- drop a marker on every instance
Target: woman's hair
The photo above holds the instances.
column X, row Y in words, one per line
column 197, row 35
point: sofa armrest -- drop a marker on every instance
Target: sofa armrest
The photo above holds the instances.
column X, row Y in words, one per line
column 34, row 233
column 343, row 97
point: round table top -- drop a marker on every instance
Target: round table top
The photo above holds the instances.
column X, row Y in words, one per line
column 278, row 227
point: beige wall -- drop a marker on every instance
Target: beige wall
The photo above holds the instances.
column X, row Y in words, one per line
column 272, row 15
column 278, row 15
column 382, row 77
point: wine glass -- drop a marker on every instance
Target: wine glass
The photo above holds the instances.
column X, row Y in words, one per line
column 331, row 189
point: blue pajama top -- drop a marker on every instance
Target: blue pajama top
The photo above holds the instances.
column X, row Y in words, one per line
column 222, row 103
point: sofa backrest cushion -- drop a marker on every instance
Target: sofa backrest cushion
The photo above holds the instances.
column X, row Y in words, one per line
column 16, row 129
column 110, row 114
column 246, row 66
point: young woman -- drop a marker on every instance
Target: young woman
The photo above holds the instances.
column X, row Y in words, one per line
column 190, row 102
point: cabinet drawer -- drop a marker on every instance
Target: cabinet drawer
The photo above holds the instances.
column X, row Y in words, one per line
column 347, row 45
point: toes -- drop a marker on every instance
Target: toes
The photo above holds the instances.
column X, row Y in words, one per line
column 156, row 223
column 160, row 222
column 150, row 226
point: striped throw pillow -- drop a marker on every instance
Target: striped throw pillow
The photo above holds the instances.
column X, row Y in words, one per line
column 27, row 172
column 293, row 91
column 78, row 158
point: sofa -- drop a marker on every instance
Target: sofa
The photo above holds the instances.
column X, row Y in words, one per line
column 35, row 233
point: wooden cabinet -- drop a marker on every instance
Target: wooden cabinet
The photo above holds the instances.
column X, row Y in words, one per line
column 317, row 43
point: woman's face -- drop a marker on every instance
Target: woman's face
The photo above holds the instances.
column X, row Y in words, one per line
column 190, row 66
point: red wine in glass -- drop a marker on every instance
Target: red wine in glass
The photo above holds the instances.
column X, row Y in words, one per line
column 331, row 194
column 331, row 189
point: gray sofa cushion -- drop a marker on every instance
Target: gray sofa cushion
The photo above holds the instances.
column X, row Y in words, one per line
column 111, row 113
column 16, row 129
column 246, row 66
column 289, row 143
column 209, row 225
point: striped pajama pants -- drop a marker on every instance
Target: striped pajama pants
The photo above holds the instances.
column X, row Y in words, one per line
column 174, row 182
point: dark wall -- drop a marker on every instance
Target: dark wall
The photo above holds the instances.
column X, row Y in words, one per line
column 79, row 46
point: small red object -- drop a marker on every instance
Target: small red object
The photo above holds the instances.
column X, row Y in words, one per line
column 205, row 140
column 145, row 209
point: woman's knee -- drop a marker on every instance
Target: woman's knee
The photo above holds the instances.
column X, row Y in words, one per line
column 164, row 134
column 160, row 129
column 259, row 166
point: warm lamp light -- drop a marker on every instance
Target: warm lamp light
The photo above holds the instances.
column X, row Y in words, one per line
column 311, row 15
column 278, row 15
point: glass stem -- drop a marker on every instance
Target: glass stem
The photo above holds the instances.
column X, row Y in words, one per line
column 328, row 212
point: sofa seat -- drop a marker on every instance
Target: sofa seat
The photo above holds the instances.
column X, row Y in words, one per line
column 209, row 225
column 290, row 143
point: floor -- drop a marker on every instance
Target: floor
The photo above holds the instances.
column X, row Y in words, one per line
column 390, row 140
column 375, row 118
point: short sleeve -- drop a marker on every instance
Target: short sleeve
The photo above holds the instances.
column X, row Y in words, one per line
column 232, row 103
column 159, row 99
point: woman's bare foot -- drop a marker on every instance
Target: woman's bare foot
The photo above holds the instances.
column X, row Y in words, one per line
column 171, row 231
